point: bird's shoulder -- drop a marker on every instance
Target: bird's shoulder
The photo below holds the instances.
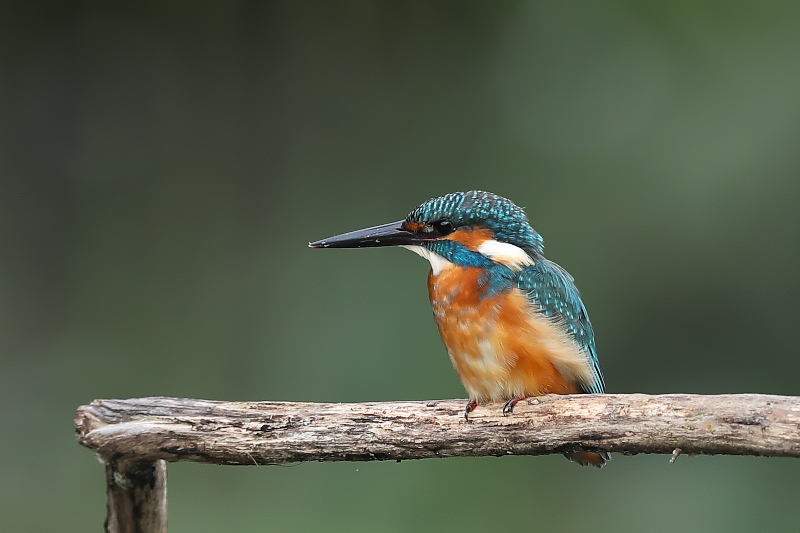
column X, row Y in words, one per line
column 552, row 289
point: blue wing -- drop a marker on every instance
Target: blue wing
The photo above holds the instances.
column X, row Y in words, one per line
column 551, row 288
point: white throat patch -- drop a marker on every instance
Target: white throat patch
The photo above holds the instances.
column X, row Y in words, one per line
column 438, row 263
column 506, row 254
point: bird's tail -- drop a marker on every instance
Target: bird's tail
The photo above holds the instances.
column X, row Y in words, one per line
column 597, row 459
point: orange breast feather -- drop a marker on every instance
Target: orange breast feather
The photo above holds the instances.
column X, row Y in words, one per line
column 500, row 346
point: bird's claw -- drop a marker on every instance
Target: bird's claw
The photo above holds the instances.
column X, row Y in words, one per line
column 508, row 407
column 471, row 405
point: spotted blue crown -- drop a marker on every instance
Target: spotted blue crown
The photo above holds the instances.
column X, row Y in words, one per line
column 485, row 209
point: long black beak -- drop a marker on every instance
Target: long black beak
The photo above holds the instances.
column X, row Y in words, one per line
column 385, row 235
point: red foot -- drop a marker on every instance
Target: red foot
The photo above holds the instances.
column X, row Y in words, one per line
column 508, row 407
column 471, row 405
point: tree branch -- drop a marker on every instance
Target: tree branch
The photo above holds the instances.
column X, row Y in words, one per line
column 137, row 496
column 259, row 433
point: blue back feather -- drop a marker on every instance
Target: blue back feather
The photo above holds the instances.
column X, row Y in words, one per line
column 551, row 288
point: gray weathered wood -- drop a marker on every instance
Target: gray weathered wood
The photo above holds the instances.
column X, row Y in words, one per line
column 260, row 433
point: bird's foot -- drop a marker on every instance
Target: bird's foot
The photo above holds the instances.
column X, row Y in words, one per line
column 471, row 405
column 508, row 407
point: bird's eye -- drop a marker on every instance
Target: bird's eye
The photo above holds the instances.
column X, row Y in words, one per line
column 443, row 227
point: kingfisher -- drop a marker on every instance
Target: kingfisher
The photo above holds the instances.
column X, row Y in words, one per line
column 513, row 322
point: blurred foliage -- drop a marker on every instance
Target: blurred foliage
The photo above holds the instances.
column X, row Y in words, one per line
column 163, row 164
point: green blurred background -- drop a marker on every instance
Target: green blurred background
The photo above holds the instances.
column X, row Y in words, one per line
column 162, row 167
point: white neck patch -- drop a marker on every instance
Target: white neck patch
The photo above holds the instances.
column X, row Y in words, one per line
column 506, row 254
column 438, row 263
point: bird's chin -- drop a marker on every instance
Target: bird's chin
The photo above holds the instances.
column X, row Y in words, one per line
column 438, row 263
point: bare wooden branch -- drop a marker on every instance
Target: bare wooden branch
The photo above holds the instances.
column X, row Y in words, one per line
column 279, row 432
column 137, row 495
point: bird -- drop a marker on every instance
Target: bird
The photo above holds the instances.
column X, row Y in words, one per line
column 512, row 321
